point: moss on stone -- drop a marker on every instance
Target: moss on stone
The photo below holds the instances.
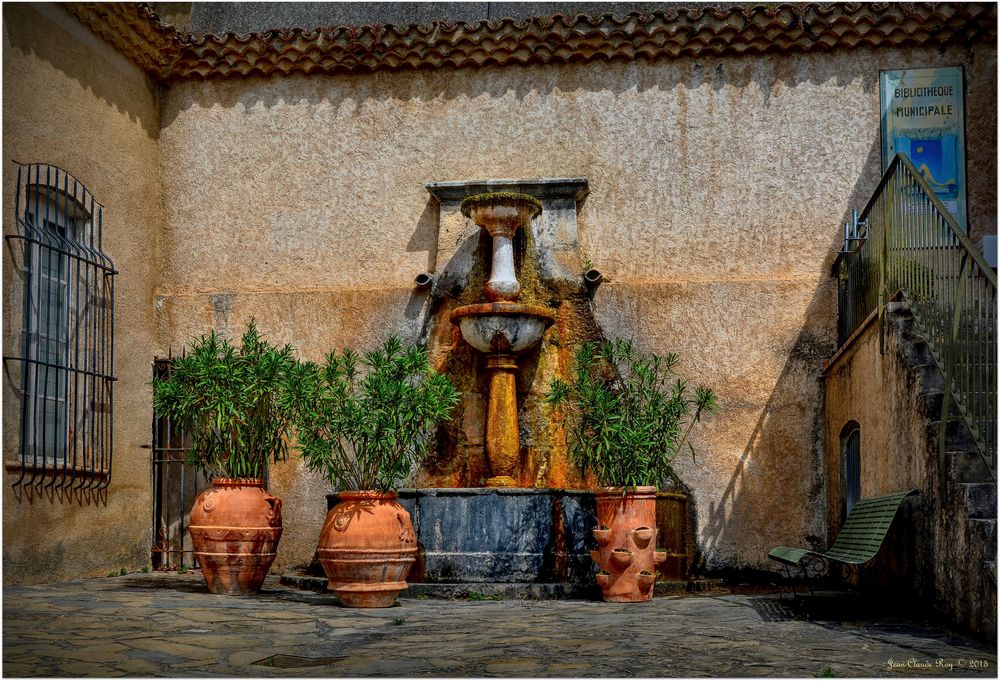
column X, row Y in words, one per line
column 500, row 199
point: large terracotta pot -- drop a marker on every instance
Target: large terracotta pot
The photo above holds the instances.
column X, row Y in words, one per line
column 366, row 548
column 235, row 528
column 626, row 544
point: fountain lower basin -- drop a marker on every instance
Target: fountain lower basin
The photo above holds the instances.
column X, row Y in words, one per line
column 501, row 330
column 502, row 327
column 482, row 536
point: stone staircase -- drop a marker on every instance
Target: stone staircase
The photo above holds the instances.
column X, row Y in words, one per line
column 963, row 516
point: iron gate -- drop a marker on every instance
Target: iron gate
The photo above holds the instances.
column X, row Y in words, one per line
column 175, row 487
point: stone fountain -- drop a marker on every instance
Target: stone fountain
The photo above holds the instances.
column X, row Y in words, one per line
column 499, row 508
column 502, row 328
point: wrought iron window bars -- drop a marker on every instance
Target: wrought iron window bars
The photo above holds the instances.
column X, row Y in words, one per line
column 66, row 364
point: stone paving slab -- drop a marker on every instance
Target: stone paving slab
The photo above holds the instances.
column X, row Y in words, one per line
column 169, row 625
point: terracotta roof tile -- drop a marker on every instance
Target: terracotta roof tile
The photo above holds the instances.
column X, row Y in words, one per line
column 168, row 55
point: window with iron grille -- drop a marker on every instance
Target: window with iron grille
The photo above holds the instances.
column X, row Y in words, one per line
column 66, row 362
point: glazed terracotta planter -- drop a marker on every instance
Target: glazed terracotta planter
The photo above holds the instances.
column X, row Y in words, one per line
column 626, row 544
column 367, row 547
column 235, row 528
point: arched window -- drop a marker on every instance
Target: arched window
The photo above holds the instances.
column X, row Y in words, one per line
column 850, row 442
column 67, row 344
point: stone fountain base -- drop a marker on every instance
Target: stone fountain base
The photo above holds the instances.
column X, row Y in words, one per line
column 501, row 535
column 513, row 543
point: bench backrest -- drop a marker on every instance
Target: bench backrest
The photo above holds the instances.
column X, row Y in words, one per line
column 865, row 528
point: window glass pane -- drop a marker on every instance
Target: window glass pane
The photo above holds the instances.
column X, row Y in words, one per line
column 51, row 336
column 852, row 469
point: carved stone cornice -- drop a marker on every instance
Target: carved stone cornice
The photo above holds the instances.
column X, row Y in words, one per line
column 700, row 31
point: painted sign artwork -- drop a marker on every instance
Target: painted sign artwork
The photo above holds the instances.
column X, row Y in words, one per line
column 923, row 117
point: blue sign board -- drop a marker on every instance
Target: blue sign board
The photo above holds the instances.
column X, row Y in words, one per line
column 923, row 116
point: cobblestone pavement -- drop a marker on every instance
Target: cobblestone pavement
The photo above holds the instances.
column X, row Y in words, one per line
column 169, row 625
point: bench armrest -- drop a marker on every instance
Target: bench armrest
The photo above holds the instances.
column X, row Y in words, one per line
column 788, row 556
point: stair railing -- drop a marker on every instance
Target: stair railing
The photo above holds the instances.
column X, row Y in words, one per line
column 906, row 244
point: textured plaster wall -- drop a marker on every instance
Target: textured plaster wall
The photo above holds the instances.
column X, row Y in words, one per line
column 868, row 388
column 72, row 101
column 718, row 188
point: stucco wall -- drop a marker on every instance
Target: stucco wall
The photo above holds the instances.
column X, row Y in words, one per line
column 718, row 188
column 72, row 101
column 871, row 389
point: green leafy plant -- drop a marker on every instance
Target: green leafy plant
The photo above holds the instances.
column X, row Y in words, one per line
column 182, row 569
column 477, row 596
column 363, row 422
column 627, row 413
column 228, row 399
column 398, row 620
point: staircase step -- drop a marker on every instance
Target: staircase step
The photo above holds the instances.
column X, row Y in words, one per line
column 980, row 499
column 957, row 436
column 967, row 466
column 933, row 401
column 984, row 530
column 918, row 353
column 931, row 379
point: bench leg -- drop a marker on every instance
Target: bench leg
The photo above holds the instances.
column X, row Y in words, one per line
column 818, row 566
column 787, row 572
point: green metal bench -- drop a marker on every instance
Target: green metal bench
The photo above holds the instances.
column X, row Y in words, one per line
column 859, row 540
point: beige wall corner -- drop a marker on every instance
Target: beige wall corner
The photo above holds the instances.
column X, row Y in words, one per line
column 72, row 101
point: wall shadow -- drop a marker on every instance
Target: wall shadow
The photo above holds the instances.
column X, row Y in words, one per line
column 425, row 234
column 57, row 495
column 34, row 35
column 762, row 496
column 449, row 83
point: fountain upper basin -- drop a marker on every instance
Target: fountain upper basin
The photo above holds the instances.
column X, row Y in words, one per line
column 502, row 327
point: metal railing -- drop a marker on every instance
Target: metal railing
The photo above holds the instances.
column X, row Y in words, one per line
column 175, row 487
column 907, row 244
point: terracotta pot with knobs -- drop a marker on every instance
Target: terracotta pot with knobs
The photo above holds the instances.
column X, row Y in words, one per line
column 235, row 528
column 626, row 541
column 367, row 547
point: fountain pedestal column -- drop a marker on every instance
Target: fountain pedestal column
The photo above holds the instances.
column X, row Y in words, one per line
column 503, row 440
column 503, row 284
column 502, row 328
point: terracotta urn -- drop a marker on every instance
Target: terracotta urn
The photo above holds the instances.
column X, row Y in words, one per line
column 235, row 528
column 626, row 544
column 367, row 547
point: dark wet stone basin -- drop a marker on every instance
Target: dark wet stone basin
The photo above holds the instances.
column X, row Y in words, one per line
column 501, row 534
